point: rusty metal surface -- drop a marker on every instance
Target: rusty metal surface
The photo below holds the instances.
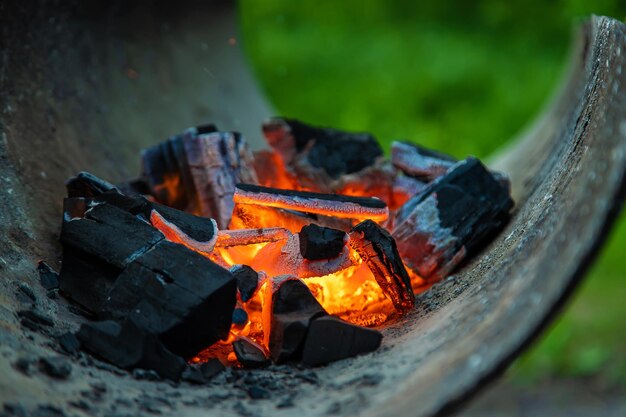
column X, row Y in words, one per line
column 68, row 101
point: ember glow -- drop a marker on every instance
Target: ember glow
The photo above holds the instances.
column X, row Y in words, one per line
column 218, row 254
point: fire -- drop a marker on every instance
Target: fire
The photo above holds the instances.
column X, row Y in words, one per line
column 263, row 234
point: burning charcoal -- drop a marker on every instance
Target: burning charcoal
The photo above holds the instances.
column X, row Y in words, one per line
column 99, row 234
column 321, row 242
column 129, row 346
column 248, row 216
column 284, row 258
column 249, row 353
column 165, row 168
column 217, row 162
column 188, row 300
column 420, row 162
column 271, row 171
column 196, row 233
column 86, row 184
column 330, row 339
column 48, row 278
column 135, row 205
column 203, row 372
column 378, row 249
column 334, row 151
column 292, row 308
column 242, row 237
column 439, row 227
column 341, row 206
column 247, row 280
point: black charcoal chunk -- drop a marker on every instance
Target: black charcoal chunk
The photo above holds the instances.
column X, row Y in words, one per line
column 203, row 372
column 128, row 345
column 247, row 280
column 85, row 184
column 56, row 367
column 378, row 249
column 48, row 277
column 110, row 234
column 419, row 162
column 69, row 343
column 321, row 242
column 334, row 151
column 249, row 354
column 293, row 307
column 200, row 229
column 330, row 339
column 188, row 300
column 36, row 316
column 86, row 279
column 135, row 205
column 439, row 227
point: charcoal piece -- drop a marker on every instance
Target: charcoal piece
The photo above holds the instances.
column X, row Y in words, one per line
column 196, row 233
column 242, row 237
column 439, row 227
column 378, row 250
column 135, row 205
column 334, row 151
column 331, row 339
column 166, row 171
column 86, row 279
column 321, row 242
column 293, row 307
column 217, row 161
column 55, row 367
column 25, row 294
column 110, row 234
column 247, row 280
column 420, row 162
column 85, row 184
column 188, row 299
column 69, row 343
column 249, row 353
column 36, row 316
column 203, row 372
column 74, row 208
column 286, row 259
column 48, row 277
column 341, row 206
column 240, row 317
column 128, row 345
column 249, row 216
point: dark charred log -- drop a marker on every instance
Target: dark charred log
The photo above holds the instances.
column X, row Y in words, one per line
column 336, row 152
column 249, row 353
column 378, row 249
column 448, row 220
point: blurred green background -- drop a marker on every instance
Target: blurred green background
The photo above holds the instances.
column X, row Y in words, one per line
column 455, row 76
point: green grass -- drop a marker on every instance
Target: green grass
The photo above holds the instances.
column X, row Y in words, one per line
column 462, row 80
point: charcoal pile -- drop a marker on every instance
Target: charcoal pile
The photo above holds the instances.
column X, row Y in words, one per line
column 219, row 256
